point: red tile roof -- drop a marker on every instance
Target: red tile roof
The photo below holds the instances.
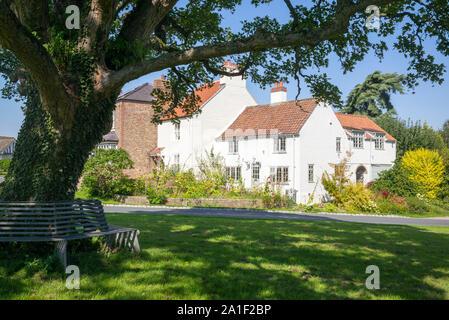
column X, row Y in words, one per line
column 361, row 123
column 284, row 118
column 157, row 150
column 205, row 93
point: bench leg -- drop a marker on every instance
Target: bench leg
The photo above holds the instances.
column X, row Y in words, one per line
column 135, row 244
column 61, row 251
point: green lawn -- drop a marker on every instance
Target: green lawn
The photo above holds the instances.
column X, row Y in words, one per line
column 217, row 258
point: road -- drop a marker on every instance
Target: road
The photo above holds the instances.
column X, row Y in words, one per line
column 283, row 215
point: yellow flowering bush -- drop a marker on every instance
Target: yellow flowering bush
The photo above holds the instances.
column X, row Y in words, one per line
column 425, row 168
column 356, row 198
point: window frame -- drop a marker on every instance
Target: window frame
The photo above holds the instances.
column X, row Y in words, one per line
column 177, row 131
column 234, row 173
column 233, row 147
column 280, row 144
column 253, row 168
column 279, row 172
column 379, row 141
column 338, row 144
column 311, row 173
column 358, row 139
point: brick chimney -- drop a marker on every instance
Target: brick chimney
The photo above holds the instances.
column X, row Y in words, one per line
column 237, row 81
column 278, row 93
column 159, row 83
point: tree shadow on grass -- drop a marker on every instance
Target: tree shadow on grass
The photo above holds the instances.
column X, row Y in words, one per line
column 218, row 258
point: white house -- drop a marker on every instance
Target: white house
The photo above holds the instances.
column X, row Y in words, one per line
column 293, row 143
column 184, row 143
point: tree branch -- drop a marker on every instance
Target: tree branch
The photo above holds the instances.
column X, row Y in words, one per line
column 98, row 23
column 35, row 16
column 141, row 22
column 15, row 37
column 260, row 41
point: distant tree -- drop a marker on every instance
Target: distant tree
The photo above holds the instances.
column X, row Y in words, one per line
column 410, row 135
column 445, row 133
column 372, row 97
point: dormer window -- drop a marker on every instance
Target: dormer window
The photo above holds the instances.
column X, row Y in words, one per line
column 280, row 144
column 379, row 141
column 357, row 140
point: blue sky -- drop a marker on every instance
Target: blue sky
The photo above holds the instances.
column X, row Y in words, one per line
column 429, row 103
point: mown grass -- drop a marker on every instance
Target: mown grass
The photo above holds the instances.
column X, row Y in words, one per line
column 227, row 258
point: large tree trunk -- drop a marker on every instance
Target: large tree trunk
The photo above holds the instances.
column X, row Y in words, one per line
column 47, row 163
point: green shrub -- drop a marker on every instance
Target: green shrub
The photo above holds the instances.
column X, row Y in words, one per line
column 4, row 165
column 356, row 198
column 387, row 206
column 125, row 186
column 417, row 205
column 396, row 181
column 139, row 187
column 156, row 196
column 103, row 173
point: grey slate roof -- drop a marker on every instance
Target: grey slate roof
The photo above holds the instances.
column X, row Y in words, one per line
column 141, row 93
column 5, row 142
column 110, row 137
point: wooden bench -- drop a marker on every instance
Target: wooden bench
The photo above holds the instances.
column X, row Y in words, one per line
column 60, row 222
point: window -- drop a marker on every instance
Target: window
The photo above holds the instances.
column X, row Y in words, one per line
column 176, row 162
column 233, row 173
column 357, row 140
column 379, row 141
column 255, row 172
column 310, row 173
column 280, row 144
column 338, row 144
column 234, row 145
column 279, row 174
column 177, row 131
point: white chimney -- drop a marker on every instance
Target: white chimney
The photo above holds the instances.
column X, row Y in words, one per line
column 278, row 93
column 236, row 81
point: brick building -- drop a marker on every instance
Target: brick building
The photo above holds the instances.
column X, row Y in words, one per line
column 133, row 127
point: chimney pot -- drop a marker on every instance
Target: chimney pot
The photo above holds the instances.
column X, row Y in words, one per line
column 278, row 93
column 163, row 77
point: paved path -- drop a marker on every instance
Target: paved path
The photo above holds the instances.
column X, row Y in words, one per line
column 284, row 215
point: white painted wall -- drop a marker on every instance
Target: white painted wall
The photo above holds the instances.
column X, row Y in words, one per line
column 198, row 134
column 373, row 160
column 317, row 146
